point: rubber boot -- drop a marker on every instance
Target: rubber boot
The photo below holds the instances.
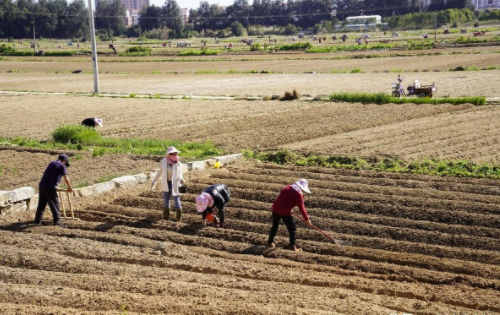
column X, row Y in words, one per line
column 179, row 214
column 166, row 213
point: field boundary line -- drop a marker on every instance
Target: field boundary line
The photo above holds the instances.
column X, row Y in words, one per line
column 489, row 100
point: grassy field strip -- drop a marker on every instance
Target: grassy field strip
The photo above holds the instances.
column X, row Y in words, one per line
column 488, row 100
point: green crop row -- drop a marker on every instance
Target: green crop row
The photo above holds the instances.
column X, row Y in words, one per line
column 384, row 98
column 460, row 168
column 76, row 137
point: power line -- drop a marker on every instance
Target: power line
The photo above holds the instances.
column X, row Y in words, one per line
column 291, row 14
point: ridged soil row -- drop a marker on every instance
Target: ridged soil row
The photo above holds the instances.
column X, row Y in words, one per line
column 356, row 184
column 87, row 267
column 458, row 184
column 407, row 201
column 327, row 253
column 340, row 215
column 444, row 215
column 380, row 237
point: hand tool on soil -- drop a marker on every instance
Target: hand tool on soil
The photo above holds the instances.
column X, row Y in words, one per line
column 338, row 242
column 69, row 202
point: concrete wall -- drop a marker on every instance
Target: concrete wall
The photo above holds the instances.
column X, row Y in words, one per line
column 25, row 199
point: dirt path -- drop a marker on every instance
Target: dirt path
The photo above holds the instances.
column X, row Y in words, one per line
column 454, row 84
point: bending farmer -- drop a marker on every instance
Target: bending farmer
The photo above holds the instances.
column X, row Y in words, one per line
column 171, row 177
column 92, row 122
column 48, row 189
column 290, row 197
column 213, row 200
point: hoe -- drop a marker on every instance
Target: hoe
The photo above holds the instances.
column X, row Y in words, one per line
column 338, row 242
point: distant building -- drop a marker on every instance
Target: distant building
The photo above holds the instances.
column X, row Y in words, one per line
column 424, row 4
column 132, row 4
column 486, row 4
column 363, row 21
column 478, row 4
column 184, row 15
column 131, row 17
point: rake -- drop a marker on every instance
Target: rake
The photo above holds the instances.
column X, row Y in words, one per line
column 338, row 242
column 69, row 202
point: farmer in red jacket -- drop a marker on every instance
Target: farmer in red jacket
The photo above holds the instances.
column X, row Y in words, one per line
column 290, row 197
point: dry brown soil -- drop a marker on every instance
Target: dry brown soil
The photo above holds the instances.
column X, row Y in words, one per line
column 275, row 63
column 134, row 75
column 421, row 245
column 468, row 134
column 408, row 131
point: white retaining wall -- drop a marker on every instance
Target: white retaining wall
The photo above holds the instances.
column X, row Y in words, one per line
column 25, row 199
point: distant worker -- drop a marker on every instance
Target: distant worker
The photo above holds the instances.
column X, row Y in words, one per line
column 48, row 189
column 92, row 122
column 171, row 178
column 290, row 197
column 212, row 201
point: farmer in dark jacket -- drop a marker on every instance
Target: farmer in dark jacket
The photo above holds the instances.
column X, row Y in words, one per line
column 48, row 189
column 92, row 122
column 290, row 197
column 211, row 201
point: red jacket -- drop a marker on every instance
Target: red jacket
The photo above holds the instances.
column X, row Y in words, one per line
column 288, row 199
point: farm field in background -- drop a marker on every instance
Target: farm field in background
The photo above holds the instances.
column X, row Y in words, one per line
column 421, row 244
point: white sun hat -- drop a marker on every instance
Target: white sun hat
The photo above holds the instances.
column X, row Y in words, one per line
column 302, row 183
column 98, row 121
column 172, row 150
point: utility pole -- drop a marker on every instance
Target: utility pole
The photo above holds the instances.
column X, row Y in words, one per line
column 435, row 28
column 34, row 40
column 94, row 50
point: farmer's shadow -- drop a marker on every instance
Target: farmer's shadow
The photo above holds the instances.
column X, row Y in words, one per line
column 18, row 226
column 144, row 223
column 104, row 227
column 192, row 228
column 258, row 250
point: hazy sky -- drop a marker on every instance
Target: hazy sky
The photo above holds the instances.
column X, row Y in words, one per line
column 194, row 3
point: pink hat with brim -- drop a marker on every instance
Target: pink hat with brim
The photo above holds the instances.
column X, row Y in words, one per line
column 203, row 201
column 98, row 121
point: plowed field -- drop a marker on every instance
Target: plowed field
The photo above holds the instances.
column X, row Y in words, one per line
column 421, row 245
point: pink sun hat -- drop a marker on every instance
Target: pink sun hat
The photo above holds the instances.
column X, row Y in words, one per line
column 302, row 183
column 172, row 150
column 203, row 201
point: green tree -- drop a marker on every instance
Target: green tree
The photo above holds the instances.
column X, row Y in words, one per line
column 110, row 17
column 290, row 29
column 77, row 21
column 238, row 29
column 171, row 16
column 150, row 17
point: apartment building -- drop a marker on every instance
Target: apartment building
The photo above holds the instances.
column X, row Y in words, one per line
column 478, row 4
column 184, row 13
column 486, row 4
column 133, row 4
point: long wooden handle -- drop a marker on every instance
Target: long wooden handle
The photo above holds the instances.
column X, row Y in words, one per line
column 315, row 227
